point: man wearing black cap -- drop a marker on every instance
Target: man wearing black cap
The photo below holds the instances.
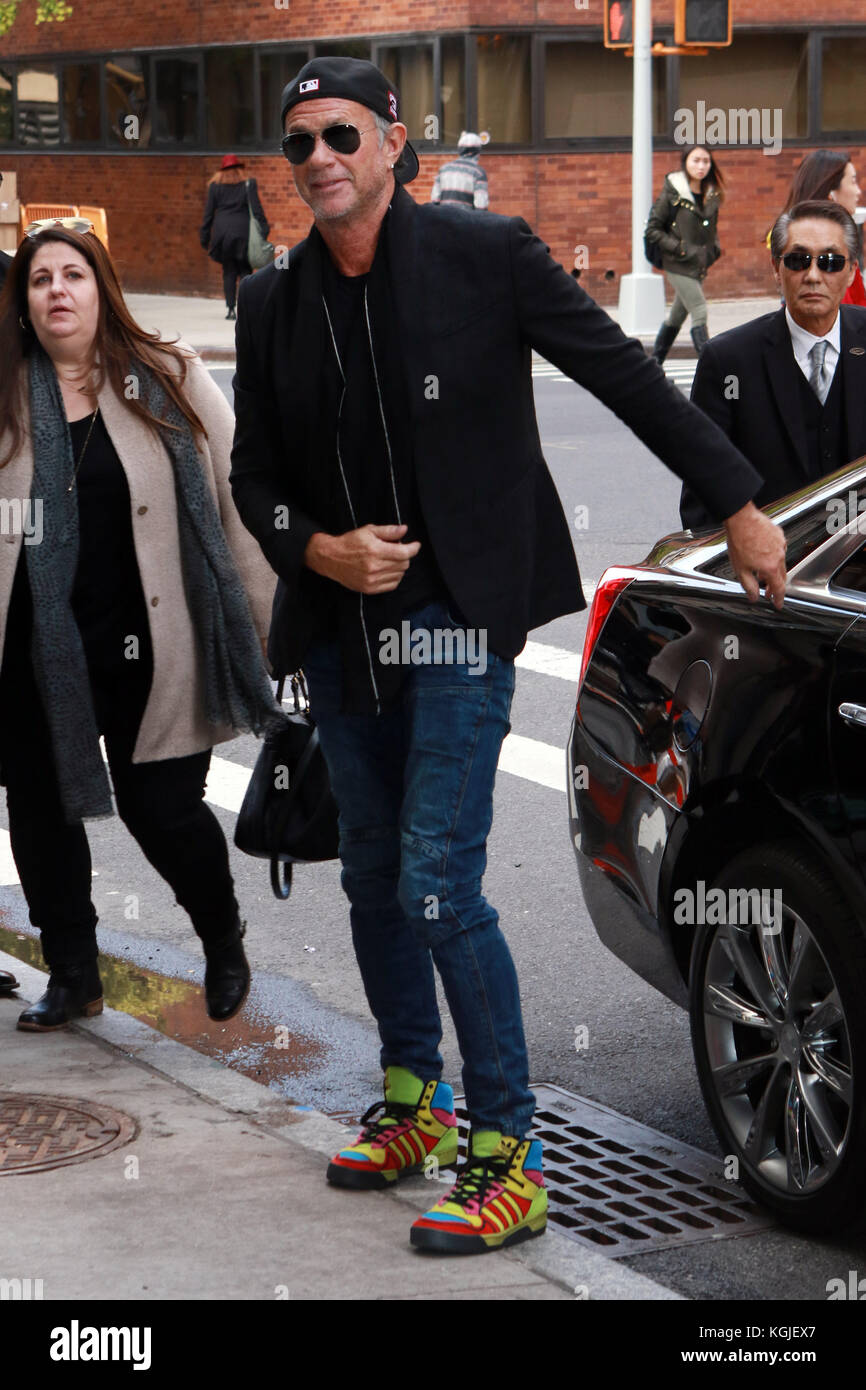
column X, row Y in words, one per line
column 387, row 459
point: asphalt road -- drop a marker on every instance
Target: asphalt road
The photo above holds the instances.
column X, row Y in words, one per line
column 638, row 1059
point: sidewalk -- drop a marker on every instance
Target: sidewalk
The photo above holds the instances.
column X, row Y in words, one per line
column 226, row 1197
column 202, row 322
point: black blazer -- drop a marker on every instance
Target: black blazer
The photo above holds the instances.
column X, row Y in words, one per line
column 225, row 229
column 472, row 297
column 746, row 380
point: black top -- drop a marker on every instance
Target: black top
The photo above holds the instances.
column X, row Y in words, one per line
column 225, row 229
column 363, row 443
column 107, row 597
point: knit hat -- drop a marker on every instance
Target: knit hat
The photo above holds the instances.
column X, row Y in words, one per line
column 469, row 141
column 351, row 79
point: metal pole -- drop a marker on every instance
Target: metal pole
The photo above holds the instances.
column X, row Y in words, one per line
column 641, row 294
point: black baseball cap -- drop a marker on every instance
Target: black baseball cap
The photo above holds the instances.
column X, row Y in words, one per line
column 351, row 79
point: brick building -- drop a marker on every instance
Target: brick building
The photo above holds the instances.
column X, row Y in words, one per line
column 130, row 107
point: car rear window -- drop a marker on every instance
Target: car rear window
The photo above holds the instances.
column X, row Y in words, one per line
column 805, row 533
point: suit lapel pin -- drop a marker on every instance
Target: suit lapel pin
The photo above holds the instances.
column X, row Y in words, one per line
column 857, row 352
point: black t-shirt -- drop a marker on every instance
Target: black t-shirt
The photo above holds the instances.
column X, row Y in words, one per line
column 363, row 443
column 107, row 598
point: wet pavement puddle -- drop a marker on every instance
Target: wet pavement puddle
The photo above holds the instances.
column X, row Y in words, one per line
column 256, row 1042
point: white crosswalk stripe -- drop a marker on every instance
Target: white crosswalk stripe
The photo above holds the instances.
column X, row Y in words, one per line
column 680, row 372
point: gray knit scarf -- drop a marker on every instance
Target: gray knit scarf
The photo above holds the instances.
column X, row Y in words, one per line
column 237, row 690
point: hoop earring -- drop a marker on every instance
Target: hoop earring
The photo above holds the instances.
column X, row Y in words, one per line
column 26, row 327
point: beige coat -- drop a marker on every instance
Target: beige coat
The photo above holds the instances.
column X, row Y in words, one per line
column 174, row 723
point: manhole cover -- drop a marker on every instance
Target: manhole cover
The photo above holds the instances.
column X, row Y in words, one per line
column 623, row 1188
column 41, row 1132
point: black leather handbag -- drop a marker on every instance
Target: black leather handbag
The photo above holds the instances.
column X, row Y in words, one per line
column 289, row 814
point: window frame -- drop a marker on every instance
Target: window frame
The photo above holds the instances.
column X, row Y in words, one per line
column 540, row 37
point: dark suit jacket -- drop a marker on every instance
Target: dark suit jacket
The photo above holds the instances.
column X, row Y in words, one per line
column 5, row 262
column 472, row 297
column 764, row 418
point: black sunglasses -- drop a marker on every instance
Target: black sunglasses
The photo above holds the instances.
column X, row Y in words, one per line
column 830, row 262
column 298, row 145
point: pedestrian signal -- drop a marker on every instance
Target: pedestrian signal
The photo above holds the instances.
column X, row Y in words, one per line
column 705, row 22
column 618, row 28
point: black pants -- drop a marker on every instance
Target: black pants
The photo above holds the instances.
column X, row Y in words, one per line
column 233, row 271
column 160, row 803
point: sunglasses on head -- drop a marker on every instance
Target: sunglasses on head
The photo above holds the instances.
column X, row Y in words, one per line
column 298, row 145
column 71, row 224
column 830, row 262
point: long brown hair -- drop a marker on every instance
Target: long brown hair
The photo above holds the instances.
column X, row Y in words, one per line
column 119, row 342
column 234, row 174
column 819, row 175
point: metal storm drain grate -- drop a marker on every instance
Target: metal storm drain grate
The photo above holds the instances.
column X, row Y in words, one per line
column 41, row 1132
column 623, row 1188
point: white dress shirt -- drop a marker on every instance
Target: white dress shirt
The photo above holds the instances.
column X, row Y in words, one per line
column 803, row 341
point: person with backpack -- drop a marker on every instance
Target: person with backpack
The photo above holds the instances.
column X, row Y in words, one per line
column 683, row 225
column 225, row 231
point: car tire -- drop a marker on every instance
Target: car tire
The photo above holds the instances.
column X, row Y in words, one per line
column 779, row 1037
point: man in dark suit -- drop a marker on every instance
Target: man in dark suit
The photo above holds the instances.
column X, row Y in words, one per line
column 789, row 388
column 387, row 458
column 5, row 262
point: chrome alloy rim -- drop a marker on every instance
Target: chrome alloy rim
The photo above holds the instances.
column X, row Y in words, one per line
column 779, row 1051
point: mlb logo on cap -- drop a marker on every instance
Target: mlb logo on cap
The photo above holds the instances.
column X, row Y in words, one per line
column 392, row 104
column 310, row 86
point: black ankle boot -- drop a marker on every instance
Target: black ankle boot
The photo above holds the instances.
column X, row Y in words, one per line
column 227, row 975
column 700, row 337
column 664, row 342
column 231, row 313
column 73, row 990
column 7, row 982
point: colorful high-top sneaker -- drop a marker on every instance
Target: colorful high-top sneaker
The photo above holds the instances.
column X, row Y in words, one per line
column 417, row 1123
column 499, row 1199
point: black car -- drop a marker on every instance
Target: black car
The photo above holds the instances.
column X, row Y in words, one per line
column 717, row 804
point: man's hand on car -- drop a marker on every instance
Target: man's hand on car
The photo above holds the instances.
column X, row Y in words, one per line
column 756, row 546
column 369, row 560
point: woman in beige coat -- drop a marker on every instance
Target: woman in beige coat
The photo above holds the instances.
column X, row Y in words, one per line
column 133, row 604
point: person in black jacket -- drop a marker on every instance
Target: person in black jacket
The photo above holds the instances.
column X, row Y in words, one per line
column 756, row 381
column 387, row 458
column 5, row 262
column 226, row 224
column 684, row 223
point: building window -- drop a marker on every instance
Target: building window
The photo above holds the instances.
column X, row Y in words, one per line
column 176, row 101
column 229, row 92
column 345, row 48
column 588, row 92
column 453, row 89
column 126, row 100
column 763, row 72
column 410, row 67
column 82, row 122
column 7, row 77
column 38, row 106
column 276, row 71
column 504, row 88
column 843, row 97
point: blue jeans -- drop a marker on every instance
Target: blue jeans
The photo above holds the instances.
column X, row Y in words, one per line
column 415, row 790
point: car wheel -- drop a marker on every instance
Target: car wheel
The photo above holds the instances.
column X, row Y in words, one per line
column 779, row 1035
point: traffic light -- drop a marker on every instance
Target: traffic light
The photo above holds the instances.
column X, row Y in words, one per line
column 706, row 22
column 618, row 30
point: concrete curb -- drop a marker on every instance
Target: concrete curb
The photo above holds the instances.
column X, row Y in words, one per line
column 583, row 1272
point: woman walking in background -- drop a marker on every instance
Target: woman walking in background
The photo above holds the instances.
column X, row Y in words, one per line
column 133, row 603
column 830, row 174
column 225, row 231
column 683, row 222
